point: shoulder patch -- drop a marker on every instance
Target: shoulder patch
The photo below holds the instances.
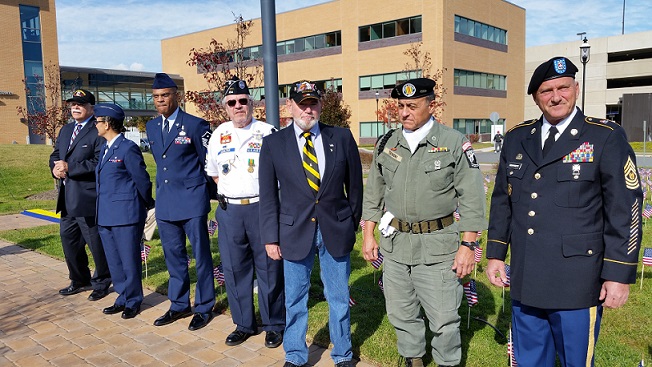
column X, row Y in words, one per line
column 467, row 148
column 631, row 174
column 523, row 124
column 205, row 138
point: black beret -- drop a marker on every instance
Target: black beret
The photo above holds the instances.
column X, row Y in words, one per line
column 414, row 88
column 163, row 81
column 82, row 96
column 554, row 68
column 235, row 86
column 303, row 90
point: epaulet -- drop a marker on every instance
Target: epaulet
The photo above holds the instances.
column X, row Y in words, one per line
column 609, row 124
column 522, row 124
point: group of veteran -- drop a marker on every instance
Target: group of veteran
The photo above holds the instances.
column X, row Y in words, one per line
column 567, row 203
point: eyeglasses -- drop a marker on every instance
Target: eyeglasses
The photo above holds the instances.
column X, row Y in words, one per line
column 101, row 120
column 242, row 101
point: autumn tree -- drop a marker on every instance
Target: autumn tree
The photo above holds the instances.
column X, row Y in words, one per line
column 45, row 112
column 419, row 61
column 218, row 63
column 139, row 122
column 334, row 110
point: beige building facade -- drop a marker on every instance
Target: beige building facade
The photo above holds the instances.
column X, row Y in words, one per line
column 29, row 41
column 478, row 44
column 618, row 82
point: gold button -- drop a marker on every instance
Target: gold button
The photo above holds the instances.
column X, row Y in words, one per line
column 534, row 195
column 313, row 219
column 316, row 201
column 590, row 252
column 531, row 213
column 537, row 175
column 530, row 231
column 511, row 173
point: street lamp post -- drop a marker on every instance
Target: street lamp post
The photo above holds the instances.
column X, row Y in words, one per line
column 377, row 94
column 585, row 56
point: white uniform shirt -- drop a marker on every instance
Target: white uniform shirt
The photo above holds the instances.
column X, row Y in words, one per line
column 233, row 156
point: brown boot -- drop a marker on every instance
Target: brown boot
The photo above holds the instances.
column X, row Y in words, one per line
column 413, row 362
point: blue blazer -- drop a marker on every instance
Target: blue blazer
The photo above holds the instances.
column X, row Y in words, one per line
column 77, row 197
column 182, row 190
column 291, row 218
column 124, row 189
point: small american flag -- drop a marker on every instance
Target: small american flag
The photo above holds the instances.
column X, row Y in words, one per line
column 380, row 283
column 487, row 179
column 510, row 350
column 477, row 253
column 362, row 223
column 647, row 212
column 212, row 227
column 471, row 293
column 352, row 302
column 189, row 259
column 378, row 262
column 647, row 256
column 486, row 188
column 644, row 195
column 218, row 274
column 456, row 214
column 144, row 252
column 508, row 270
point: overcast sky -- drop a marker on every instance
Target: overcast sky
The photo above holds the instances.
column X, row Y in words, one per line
column 126, row 34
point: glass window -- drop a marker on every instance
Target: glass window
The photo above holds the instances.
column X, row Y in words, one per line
column 389, row 29
column 32, row 51
column 376, row 31
column 463, row 25
column 485, row 31
column 415, row 24
column 457, row 24
column 33, row 71
column 389, row 81
column 376, row 82
column 491, row 34
column 280, row 48
column 310, row 43
column 299, row 45
column 332, row 39
column 456, row 77
column 255, row 52
column 478, row 30
column 470, row 28
column 365, row 83
column 477, row 80
column 289, row 47
column 365, row 34
column 402, row 27
column 320, row 41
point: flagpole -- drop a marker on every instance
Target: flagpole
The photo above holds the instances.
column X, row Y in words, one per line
column 642, row 275
column 468, row 318
column 503, row 298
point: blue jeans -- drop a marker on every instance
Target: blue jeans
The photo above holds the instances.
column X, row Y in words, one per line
column 335, row 276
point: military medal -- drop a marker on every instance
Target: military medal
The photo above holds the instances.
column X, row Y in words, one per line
column 437, row 164
column 183, row 131
column 576, row 171
column 574, row 132
column 226, row 168
column 225, row 138
column 534, row 130
column 251, row 166
column 258, row 135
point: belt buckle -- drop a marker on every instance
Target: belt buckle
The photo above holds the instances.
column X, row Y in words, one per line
column 244, row 201
column 415, row 228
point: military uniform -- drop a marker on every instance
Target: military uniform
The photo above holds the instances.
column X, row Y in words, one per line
column 572, row 220
column 423, row 186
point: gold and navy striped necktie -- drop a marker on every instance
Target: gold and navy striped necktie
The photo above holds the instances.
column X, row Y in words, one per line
column 310, row 165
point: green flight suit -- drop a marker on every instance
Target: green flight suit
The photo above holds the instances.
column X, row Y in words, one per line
column 441, row 175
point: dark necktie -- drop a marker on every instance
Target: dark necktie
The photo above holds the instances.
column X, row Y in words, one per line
column 166, row 129
column 550, row 140
column 310, row 162
column 74, row 134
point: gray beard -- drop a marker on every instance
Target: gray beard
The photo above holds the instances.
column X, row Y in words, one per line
column 304, row 125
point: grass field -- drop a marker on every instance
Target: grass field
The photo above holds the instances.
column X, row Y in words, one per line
column 625, row 333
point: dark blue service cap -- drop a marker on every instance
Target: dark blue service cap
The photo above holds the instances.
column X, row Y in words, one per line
column 557, row 67
column 162, row 81
column 82, row 96
column 110, row 110
column 303, row 90
column 414, row 88
column 235, row 86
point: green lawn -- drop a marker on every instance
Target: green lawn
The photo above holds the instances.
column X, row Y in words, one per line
column 624, row 334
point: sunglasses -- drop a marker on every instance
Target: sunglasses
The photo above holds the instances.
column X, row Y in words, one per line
column 242, row 101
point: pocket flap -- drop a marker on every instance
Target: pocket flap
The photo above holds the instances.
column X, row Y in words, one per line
column 286, row 219
column 344, row 213
column 194, row 181
column 516, row 169
column 576, row 172
column 586, row 244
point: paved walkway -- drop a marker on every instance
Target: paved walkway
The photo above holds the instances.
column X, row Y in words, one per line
column 38, row 327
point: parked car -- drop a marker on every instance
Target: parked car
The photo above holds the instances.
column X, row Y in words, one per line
column 144, row 145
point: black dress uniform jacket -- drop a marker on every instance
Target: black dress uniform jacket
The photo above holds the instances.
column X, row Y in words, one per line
column 573, row 219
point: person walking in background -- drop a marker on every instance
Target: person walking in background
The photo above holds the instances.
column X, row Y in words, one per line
column 233, row 162
column 567, row 203
column 178, row 141
column 419, row 176
column 317, row 213
column 498, row 142
column 124, row 192
column 73, row 162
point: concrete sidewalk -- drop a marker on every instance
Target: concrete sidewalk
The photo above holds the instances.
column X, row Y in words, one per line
column 39, row 327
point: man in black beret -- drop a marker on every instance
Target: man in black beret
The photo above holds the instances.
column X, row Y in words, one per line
column 178, row 141
column 567, row 202
column 419, row 175
column 76, row 153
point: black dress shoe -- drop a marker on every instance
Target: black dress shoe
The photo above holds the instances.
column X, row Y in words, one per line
column 199, row 321
column 171, row 316
column 237, row 337
column 97, row 295
column 73, row 289
column 273, row 339
column 111, row 310
column 290, row 364
column 344, row 364
column 130, row 313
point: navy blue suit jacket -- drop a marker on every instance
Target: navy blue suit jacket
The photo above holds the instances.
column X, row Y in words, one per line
column 77, row 196
column 291, row 219
column 124, row 189
column 182, row 190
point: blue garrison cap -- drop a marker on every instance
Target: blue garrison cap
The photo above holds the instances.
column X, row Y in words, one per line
column 557, row 67
column 162, row 81
column 110, row 110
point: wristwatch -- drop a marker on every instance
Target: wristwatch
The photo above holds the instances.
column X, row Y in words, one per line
column 472, row 245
